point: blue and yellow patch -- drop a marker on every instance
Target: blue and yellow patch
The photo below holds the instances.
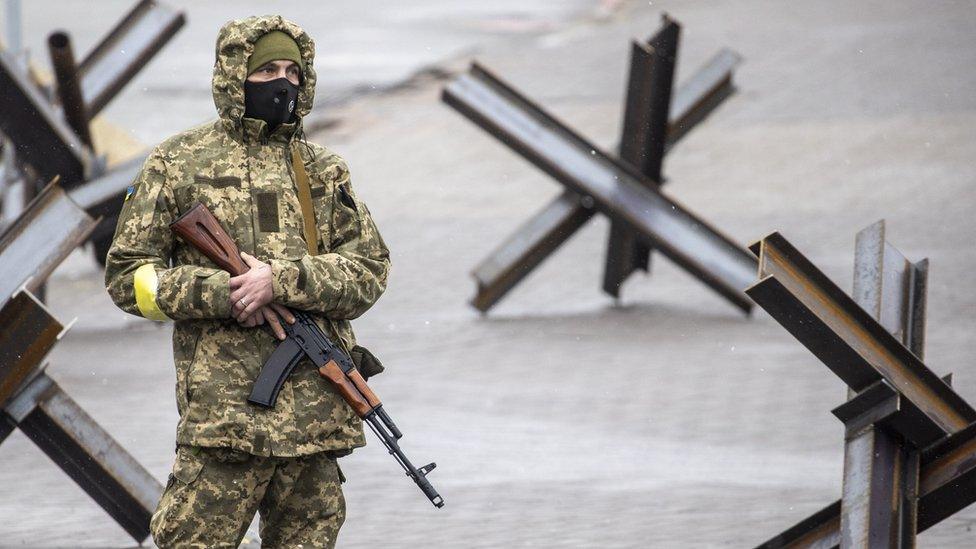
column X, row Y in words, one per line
column 131, row 190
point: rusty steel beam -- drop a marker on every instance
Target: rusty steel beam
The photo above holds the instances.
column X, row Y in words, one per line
column 68, row 86
column 820, row 530
column 626, row 253
column 642, row 142
column 42, row 141
column 528, row 247
column 878, row 506
column 694, row 101
column 88, row 454
column 45, row 233
column 548, row 229
column 701, row 95
column 647, row 106
column 28, row 331
column 125, row 50
column 882, row 406
column 890, row 287
column 614, row 188
column 850, row 342
column 48, row 230
column 947, row 485
column 881, row 465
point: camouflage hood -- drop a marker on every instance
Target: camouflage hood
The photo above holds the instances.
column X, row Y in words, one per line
column 235, row 43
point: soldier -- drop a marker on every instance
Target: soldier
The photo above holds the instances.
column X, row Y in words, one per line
column 233, row 458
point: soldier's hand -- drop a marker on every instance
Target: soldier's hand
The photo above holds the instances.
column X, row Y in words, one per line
column 256, row 319
column 251, row 290
column 272, row 313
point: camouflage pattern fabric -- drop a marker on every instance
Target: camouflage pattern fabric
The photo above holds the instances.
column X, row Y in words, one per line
column 213, row 493
column 244, row 175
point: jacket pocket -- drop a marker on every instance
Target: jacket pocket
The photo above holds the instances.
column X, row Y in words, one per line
column 189, row 463
column 185, row 338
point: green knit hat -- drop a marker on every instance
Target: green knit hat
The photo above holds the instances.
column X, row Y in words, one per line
column 274, row 45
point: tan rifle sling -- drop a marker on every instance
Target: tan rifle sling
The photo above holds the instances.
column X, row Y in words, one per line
column 305, row 199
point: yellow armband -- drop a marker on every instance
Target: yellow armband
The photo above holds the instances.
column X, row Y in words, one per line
column 145, row 282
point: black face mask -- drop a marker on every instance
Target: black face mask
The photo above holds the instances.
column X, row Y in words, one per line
column 273, row 101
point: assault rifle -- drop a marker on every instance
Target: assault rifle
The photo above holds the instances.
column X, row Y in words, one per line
column 199, row 228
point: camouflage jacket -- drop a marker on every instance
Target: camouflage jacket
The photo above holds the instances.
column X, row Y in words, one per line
column 244, row 175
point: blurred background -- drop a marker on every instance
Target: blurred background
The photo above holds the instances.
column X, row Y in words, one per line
column 563, row 417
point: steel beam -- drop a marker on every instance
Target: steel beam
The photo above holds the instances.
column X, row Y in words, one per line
column 615, row 188
column 32, row 401
column 68, row 85
column 28, row 331
column 528, row 247
column 45, row 233
column 536, row 239
column 947, row 485
column 626, row 253
column 88, row 454
column 625, row 241
column 701, row 95
column 849, row 341
column 642, row 143
column 881, row 464
column 820, row 530
column 891, row 288
column 648, row 103
column 891, row 480
column 125, row 50
column 42, row 141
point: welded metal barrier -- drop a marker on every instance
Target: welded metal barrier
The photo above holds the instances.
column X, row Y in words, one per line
column 44, row 143
column 123, row 52
column 47, row 231
column 910, row 439
column 53, row 139
column 86, row 452
column 30, row 248
column 625, row 189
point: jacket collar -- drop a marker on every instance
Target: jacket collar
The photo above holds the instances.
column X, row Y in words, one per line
column 255, row 131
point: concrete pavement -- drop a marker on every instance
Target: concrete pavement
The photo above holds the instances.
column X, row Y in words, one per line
column 564, row 419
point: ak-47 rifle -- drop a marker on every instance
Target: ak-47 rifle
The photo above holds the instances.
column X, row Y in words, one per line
column 200, row 229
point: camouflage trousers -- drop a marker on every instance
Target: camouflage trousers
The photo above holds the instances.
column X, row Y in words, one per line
column 213, row 493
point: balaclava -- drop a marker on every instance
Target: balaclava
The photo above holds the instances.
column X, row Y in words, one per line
column 272, row 101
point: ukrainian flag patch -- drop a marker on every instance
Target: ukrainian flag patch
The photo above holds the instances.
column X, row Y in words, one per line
column 131, row 190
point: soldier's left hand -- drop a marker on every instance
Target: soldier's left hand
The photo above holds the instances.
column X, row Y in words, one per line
column 271, row 312
column 251, row 290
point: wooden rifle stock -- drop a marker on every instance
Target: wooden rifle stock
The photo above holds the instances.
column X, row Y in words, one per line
column 200, row 229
